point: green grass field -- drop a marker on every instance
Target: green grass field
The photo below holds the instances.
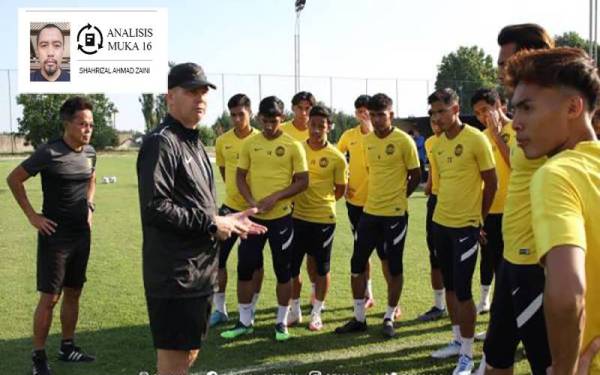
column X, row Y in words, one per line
column 113, row 320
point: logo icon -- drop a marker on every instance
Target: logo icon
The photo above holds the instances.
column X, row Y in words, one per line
column 89, row 39
column 458, row 150
column 323, row 162
column 280, row 151
column 389, row 149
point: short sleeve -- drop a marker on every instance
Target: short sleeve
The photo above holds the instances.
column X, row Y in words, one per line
column 411, row 154
column 299, row 163
column 244, row 160
column 483, row 153
column 342, row 144
column 220, row 158
column 341, row 171
column 557, row 212
column 38, row 161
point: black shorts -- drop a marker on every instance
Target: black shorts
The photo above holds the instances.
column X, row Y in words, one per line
column 457, row 251
column 62, row 261
column 493, row 251
column 178, row 323
column 226, row 246
column 517, row 314
column 280, row 233
column 390, row 231
column 314, row 239
column 433, row 258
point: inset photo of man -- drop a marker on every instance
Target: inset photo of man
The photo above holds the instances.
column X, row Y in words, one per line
column 49, row 51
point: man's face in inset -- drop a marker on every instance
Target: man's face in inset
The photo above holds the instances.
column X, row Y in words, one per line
column 50, row 50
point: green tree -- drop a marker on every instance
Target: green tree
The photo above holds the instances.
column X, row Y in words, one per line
column 571, row 39
column 41, row 120
column 207, row 135
column 154, row 107
column 466, row 70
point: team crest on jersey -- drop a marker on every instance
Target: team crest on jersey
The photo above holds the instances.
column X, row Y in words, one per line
column 323, row 162
column 458, row 150
column 280, row 151
column 90, row 163
column 506, row 138
column 389, row 149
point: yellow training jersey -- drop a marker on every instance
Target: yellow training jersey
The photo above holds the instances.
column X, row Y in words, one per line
column 351, row 142
column 388, row 160
column 502, row 168
column 517, row 233
column 565, row 205
column 227, row 150
column 299, row 135
column 459, row 162
column 435, row 178
column 326, row 168
column 271, row 165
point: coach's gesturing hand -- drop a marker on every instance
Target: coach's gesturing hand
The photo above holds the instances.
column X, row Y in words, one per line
column 42, row 224
column 238, row 223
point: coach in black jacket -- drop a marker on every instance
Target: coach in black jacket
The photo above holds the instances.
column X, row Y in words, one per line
column 180, row 224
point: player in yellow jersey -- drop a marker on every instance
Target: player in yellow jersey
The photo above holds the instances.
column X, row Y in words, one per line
column 431, row 189
column 275, row 157
column 227, row 150
column 516, row 313
column 487, row 108
column 555, row 93
column 467, row 185
column 393, row 163
column 314, row 210
column 302, row 103
column 351, row 144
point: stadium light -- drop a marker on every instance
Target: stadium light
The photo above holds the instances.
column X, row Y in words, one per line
column 299, row 4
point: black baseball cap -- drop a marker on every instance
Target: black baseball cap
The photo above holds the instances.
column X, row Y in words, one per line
column 188, row 76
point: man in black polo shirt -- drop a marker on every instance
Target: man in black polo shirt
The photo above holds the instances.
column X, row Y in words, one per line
column 67, row 166
column 50, row 48
column 180, row 224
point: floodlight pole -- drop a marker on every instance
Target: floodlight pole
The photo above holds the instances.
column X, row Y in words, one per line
column 297, row 53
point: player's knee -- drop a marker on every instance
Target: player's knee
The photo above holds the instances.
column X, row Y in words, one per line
column 323, row 268
column 357, row 266
column 463, row 294
column 245, row 271
column 283, row 276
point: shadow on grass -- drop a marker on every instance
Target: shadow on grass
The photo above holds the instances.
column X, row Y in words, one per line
column 128, row 350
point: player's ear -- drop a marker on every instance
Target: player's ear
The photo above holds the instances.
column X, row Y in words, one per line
column 575, row 106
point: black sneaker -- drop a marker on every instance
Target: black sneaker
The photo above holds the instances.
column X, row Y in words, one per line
column 388, row 328
column 352, row 326
column 433, row 314
column 74, row 353
column 40, row 363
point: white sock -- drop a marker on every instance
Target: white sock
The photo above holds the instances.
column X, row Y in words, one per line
column 313, row 289
column 317, row 307
column 456, row 332
column 219, row 300
column 466, row 346
column 245, row 313
column 485, row 293
column 359, row 310
column 296, row 307
column 369, row 290
column 439, row 298
column 390, row 313
column 282, row 314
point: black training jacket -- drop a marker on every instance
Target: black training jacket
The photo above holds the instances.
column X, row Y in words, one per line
column 177, row 204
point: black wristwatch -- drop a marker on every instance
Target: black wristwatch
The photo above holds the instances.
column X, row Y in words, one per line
column 91, row 206
column 212, row 228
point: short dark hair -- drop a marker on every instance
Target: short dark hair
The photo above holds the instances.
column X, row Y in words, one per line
column 565, row 66
column 72, row 106
column 304, row 95
column 362, row 101
column 379, row 102
column 321, row 110
column 447, row 96
column 240, row 100
column 490, row 96
column 271, row 106
column 525, row 36
column 50, row 26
